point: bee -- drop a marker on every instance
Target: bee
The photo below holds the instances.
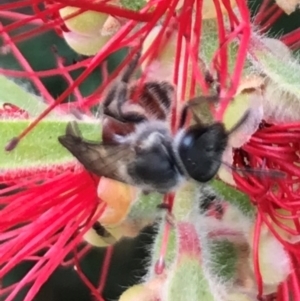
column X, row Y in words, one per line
column 138, row 147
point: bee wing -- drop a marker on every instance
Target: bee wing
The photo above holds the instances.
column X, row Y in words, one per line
column 258, row 172
column 101, row 159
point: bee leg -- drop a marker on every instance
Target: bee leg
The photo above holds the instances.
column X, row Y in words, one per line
column 189, row 106
column 110, row 97
column 118, row 95
column 183, row 116
column 122, row 95
column 124, row 79
column 194, row 102
column 131, row 67
column 121, row 98
column 114, row 101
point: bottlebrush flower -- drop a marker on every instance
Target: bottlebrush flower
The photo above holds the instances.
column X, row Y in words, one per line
column 275, row 199
column 273, row 271
column 52, row 203
column 271, row 197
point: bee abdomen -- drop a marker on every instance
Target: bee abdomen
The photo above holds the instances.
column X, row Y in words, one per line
column 156, row 98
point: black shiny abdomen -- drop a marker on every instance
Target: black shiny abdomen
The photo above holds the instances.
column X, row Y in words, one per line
column 201, row 149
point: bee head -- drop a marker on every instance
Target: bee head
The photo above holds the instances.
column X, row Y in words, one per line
column 200, row 150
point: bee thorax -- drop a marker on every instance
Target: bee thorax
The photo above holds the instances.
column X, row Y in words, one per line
column 155, row 166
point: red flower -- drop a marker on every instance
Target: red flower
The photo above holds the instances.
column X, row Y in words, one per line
column 274, row 147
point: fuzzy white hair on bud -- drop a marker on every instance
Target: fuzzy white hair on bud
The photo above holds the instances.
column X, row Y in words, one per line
column 273, row 271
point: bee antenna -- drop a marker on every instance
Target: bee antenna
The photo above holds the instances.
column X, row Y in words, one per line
column 195, row 102
column 183, row 116
column 131, row 67
column 202, row 99
column 275, row 174
column 240, row 122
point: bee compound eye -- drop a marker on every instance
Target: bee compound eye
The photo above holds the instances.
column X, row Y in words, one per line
column 201, row 150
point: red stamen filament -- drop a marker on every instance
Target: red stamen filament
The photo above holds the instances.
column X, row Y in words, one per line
column 105, row 268
column 26, row 66
column 291, row 38
column 80, row 255
column 260, row 13
column 160, row 265
column 271, row 19
column 85, row 280
column 256, row 238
